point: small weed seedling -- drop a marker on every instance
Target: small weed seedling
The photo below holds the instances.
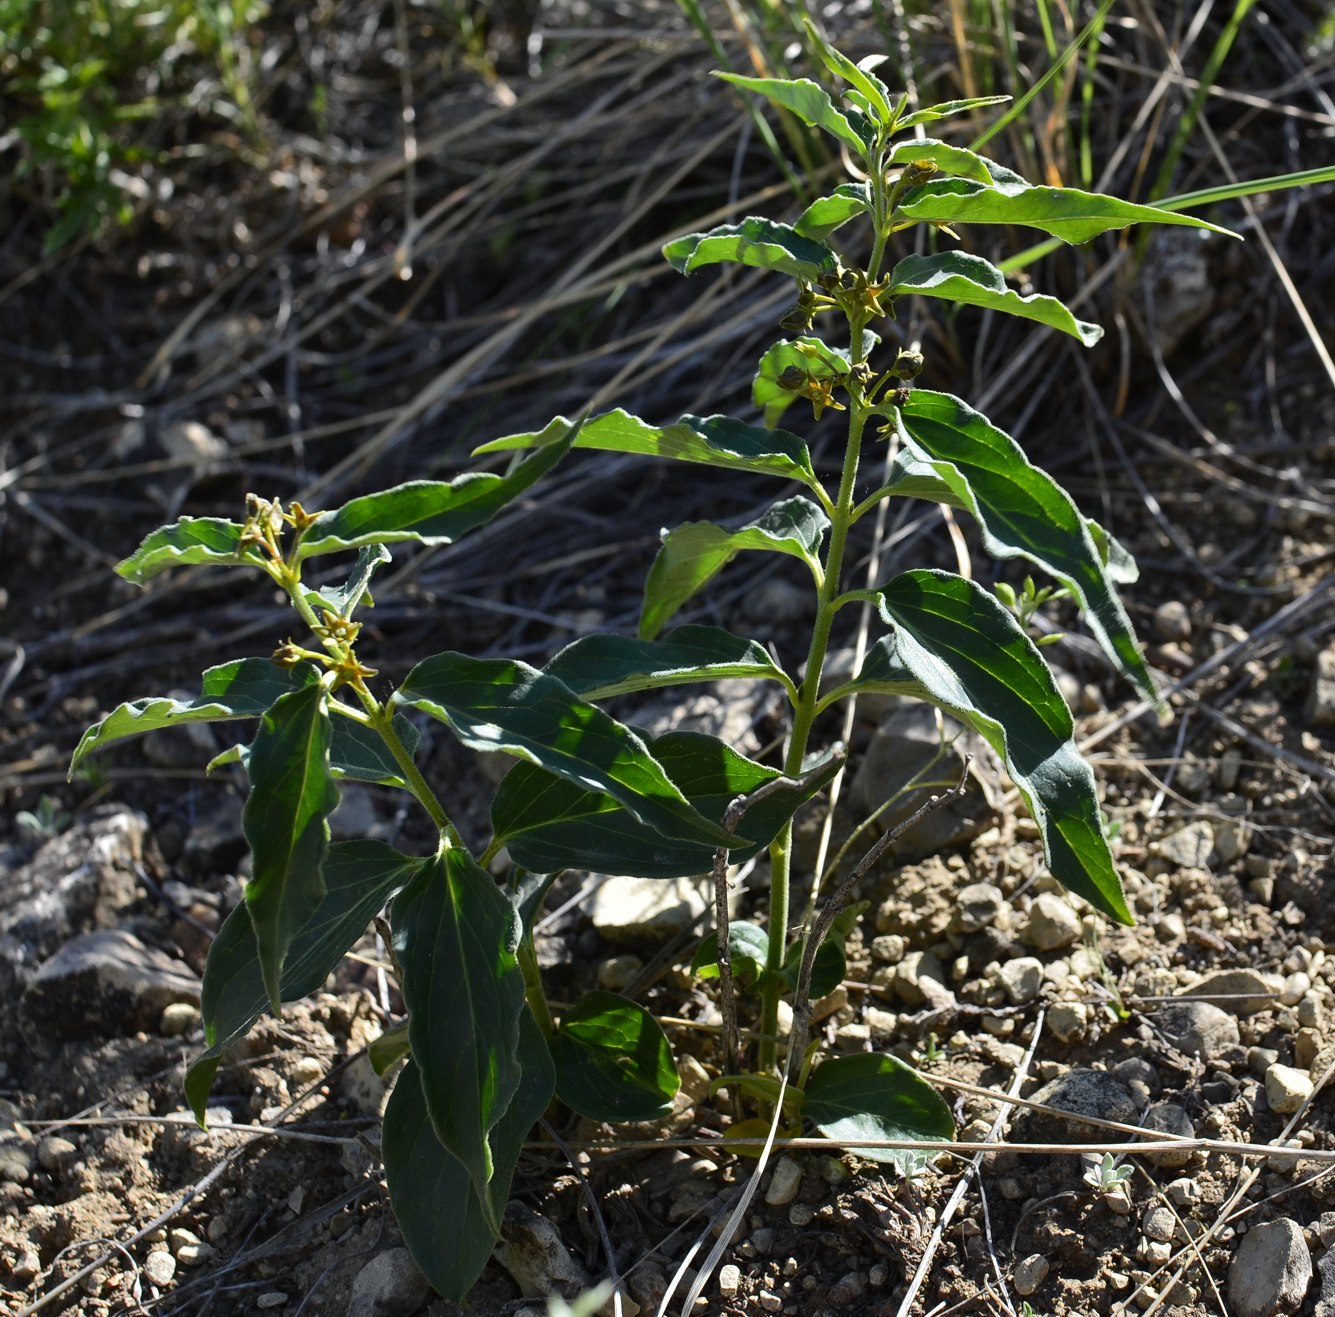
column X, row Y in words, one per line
column 484, row 1057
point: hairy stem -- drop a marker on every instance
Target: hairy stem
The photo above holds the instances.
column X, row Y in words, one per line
column 533, row 993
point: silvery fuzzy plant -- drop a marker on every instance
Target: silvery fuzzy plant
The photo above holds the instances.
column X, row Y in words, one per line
column 483, row 1056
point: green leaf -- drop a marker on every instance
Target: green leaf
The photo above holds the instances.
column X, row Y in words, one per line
column 190, row 540
column 826, row 214
column 946, row 108
column 548, row 824
column 755, row 241
column 360, row 876
column 445, row 1220
column 599, row 667
column 972, row 281
column 827, row 970
column 1066, row 213
column 431, row 511
column 389, row 1049
column 873, row 91
column 807, row 354
column 955, row 645
column 359, row 752
column 342, row 599
column 749, row 944
column 498, row 704
column 875, row 1096
column 286, row 822
column 717, row 441
column 1022, row 512
column 956, row 160
column 613, row 1061
column 809, row 101
column 243, row 688
column 694, row 553
column 464, row 992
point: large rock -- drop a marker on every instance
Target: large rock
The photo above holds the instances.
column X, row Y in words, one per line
column 1237, row 991
column 102, row 983
column 388, row 1286
column 1197, row 1028
column 1271, row 1270
column 85, row 879
column 646, row 911
column 908, row 747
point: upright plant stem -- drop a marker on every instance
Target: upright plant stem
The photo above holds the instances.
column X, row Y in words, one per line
column 805, row 713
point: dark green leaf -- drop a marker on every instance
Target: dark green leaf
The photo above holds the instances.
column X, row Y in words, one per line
column 286, row 822
column 444, row 1221
column 431, row 511
column 693, row 554
column 806, row 99
column 947, row 108
column 956, row 160
column 755, row 241
column 360, row 876
column 359, row 752
column 342, row 599
column 827, row 971
column 549, row 824
column 190, row 540
column 1022, row 512
column 749, row 944
column 613, row 1061
column 598, row 667
column 498, row 704
column 1066, row 213
column 526, row 892
column 972, row 281
column 826, row 214
column 244, row 688
column 873, row 1096
column 464, row 992
column 717, row 441
column 955, row 645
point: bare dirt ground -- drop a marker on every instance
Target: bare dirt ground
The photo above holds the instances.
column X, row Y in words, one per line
column 339, row 321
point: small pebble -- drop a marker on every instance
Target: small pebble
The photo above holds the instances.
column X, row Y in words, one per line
column 801, row 1215
column 1295, row 988
column 729, row 1281
column 307, row 1070
column 178, row 1019
column 1030, row 1273
column 1022, row 979
column 1183, row 1192
column 1287, row 1088
column 1159, row 1223
column 785, row 1183
column 54, row 1153
column 770, row 1302
column 271, row 1299
column 1053, row 924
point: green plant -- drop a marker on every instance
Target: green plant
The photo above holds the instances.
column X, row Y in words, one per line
column 1106, row 1174
column 48, row 820
column 483, row 1055
column 85, row 81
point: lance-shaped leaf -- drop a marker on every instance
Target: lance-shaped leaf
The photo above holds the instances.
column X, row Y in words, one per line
column 599, row 667
column 876, row 1096
column 946, row 108
column 464, row 992
column 243, row 688
column 359, row 876
column 548, row 824
column 693, row 554
column 431, row 511
column 717, row 441
column 613, row 1061
column 445, row 1220
column 809, row 355
column 955, row 645
column 755, row 241
column 499, row 704
column 1022, row 512
column 286, row 822
column 191, row 540
column 808, row 100
column 826, row 214
column 342, row 599
column 871, row 90
column 1066, row 213
column 962, row 278
column 956, row 160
